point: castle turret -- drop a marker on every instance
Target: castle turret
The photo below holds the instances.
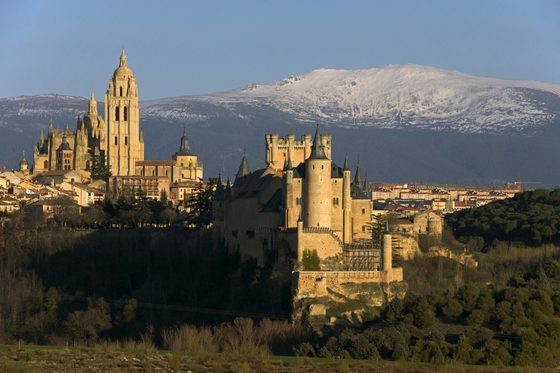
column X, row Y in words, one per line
column 346, row 203
column 387, row 248
column 358, row 181
column 243, row 168
column 218, row 201
column 288, row 197
column 317, row 186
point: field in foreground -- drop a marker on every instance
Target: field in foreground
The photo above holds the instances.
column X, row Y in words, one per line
column 99, row 359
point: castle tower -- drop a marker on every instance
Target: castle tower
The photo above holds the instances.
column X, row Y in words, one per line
column 125, row 145
column 290, row 220
column 317, row 192
column 346, row 203
column 387, row 251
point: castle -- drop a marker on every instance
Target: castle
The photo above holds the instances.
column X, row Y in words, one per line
column 115, row 141
column 309, row 204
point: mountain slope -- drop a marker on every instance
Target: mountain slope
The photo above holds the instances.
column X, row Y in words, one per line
column 396, row 96
column 405, row 123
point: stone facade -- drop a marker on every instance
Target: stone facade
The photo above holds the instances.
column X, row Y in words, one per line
column 313, row 203
column 118, row 140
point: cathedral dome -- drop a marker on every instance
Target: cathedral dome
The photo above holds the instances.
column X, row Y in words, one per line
column 92, row 120
column 122, row 71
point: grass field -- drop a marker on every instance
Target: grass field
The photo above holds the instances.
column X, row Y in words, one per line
column 25, row 359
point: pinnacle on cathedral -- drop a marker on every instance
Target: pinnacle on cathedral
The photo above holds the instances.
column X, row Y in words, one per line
column 184, row 149
column 23, row 164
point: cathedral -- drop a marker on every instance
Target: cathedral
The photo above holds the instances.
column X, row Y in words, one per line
column 115, row 141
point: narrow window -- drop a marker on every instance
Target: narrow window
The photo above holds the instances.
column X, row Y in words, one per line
column 116, row 140
column 125, row 138
column 117, row 113
column 363, row 211
column 121, row 90
column 125, row 113
column 45, row 164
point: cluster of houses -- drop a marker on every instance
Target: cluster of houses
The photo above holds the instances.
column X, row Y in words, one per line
column 408, row 199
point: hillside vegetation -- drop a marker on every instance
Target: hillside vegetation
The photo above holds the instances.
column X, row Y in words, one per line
column 530, row 218
column 168, row 288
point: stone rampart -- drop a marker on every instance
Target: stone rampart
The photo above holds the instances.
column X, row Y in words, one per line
column 314, row 284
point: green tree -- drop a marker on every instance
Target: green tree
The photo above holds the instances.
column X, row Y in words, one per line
column 452, row 308
column 377, row 227
column 99, row 170
column 423, row 313
column 199, row 206
column 311, row 260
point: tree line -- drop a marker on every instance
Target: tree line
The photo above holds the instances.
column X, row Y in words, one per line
column 530, row 218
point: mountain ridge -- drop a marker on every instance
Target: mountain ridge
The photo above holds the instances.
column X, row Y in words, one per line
column 404, row 122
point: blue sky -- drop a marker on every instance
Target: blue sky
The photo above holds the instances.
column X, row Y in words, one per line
column 192, row 47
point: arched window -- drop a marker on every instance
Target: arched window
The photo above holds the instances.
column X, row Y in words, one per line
column 125, row 113
column 117, row 113
column 121, row 90
column 46, row 164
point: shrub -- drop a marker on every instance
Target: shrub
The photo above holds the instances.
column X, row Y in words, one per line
column 311, row 260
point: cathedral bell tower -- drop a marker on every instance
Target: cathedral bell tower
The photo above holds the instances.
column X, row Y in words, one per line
column 124, row 142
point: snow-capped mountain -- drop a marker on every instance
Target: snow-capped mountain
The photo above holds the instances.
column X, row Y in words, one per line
column 395, row 96
column 405, row 123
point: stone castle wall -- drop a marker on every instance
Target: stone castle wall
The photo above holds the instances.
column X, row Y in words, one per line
column 314, row 284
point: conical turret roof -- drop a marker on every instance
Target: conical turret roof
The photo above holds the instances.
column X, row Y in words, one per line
column 346, row 164
column 317, row 149
column 358, row 181
column 243, row 168
column 219, row 194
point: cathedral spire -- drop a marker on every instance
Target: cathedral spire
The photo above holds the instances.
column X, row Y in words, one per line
column 92, row 107
column 23, row 164
column 184, row 141
column 123, row 59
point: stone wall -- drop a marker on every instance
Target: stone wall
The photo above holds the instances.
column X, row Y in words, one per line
column 325, row 241
column 314, row 284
